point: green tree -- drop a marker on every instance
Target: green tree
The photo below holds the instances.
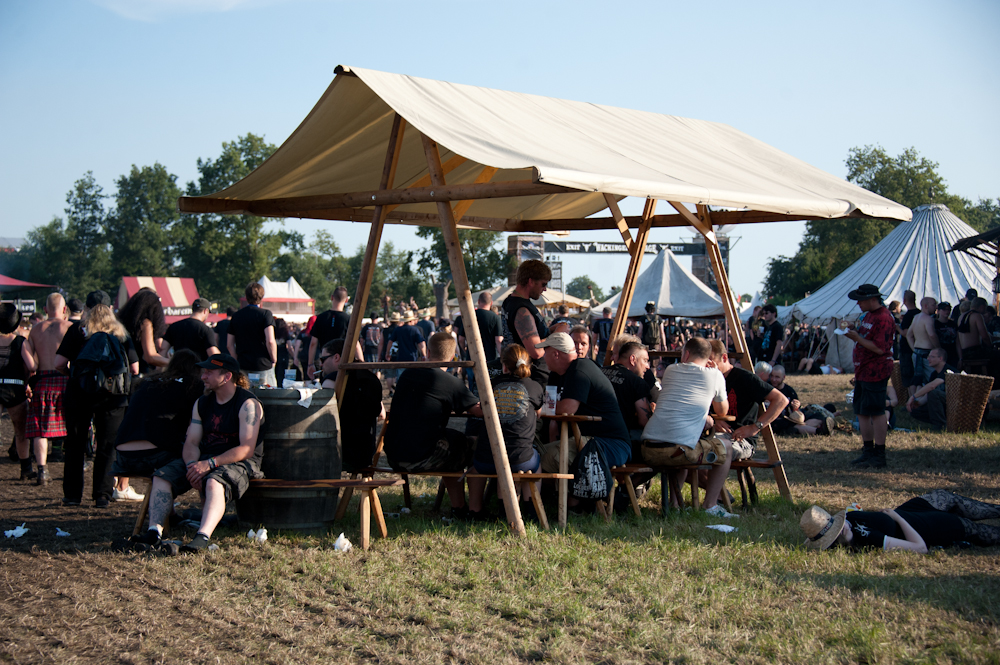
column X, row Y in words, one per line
column 318, row 268
column 486, row 260
column 577, row 288
column 140, row 229
column 226, row 252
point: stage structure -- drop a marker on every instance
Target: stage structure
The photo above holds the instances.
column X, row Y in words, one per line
column 385, row 148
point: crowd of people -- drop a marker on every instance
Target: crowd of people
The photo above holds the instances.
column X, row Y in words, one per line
column 174, row 403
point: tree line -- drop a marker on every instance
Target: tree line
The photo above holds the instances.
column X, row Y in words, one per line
column 137, row 230
column 828, row 247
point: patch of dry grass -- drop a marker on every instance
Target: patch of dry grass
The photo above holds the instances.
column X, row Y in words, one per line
column 650, row 589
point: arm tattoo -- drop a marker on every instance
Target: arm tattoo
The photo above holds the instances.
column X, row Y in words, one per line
column 252, row 418
column 524, row 324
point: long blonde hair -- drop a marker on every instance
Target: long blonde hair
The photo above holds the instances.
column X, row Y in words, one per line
column 100, row 318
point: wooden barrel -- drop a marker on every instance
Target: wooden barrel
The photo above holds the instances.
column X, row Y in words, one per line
column 300, row 443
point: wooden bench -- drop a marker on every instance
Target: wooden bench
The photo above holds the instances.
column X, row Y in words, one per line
column 370, row 505
column 520, row 478
column 623, row 477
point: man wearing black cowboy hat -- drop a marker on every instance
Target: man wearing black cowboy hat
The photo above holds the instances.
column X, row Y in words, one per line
column 872, row 368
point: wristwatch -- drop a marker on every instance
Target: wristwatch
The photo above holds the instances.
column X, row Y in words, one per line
column 759, row 425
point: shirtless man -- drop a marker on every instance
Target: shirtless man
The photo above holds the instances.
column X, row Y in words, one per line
column 974, row 341
column 922, row 338
column 46, row 415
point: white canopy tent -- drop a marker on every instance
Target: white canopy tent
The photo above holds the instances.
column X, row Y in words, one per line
column 287, row 300
column 386, row 148
column 913, row 256
column 550, row 298
column 673, row 288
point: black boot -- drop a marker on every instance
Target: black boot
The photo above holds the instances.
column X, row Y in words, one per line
column 26, row 472
column 866, row 453
column 43, row 476
column 877, row 458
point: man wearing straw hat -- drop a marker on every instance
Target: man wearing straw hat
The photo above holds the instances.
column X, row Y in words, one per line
column 872, row 368
column 937, row 519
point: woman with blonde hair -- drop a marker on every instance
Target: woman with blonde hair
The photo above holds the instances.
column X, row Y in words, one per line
column 518, row 400
column 105, row 409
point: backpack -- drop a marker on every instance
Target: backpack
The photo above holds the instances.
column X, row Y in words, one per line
column 101, row 367
column 651, row 330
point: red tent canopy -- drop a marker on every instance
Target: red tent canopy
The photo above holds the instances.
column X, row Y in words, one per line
column 11, row 283
column 176, row 294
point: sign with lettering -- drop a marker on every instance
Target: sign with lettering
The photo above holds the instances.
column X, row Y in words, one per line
column 574, row 247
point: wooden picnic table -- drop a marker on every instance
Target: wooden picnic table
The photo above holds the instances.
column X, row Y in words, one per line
column 566, row 420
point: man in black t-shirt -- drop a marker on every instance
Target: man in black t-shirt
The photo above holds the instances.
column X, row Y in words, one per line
column 418, row 437
column 361, row 408
column 928, row 402
column 489, row 333
column 330, row 325
column 631, row 390
column 586, row 392
column 192, row 333
column 745, row 392
column 769, row 342
column 251, row 337
column 905, row 352
column 601, row 329
column 520, row 322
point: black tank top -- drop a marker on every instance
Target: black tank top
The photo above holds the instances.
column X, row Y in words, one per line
column 221, row 424
column 963, row 323
column 512, row 303
column 12, row 371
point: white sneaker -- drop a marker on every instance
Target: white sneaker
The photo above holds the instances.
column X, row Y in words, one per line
column 128, row 494
column 715, row 511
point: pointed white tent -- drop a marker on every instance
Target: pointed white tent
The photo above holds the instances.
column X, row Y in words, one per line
column 287, row 300
column 673, row 288
column 913, row 256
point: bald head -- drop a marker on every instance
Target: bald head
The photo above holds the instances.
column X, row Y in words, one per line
column 928, row 305
column 55, row 306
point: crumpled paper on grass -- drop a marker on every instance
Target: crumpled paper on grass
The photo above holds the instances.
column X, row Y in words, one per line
column 16, row 532
column 342, row 544
column 260, row 535
column 724, row 528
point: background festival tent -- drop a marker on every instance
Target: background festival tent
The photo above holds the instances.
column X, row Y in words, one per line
column 286, row 300
column 784, row 311
column 551, row 298
column 176, row 295
column 11, row 284
column 913, row 256
column 673, row 288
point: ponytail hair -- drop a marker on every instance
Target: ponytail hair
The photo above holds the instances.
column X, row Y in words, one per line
column 240, row 380
column 517, row 361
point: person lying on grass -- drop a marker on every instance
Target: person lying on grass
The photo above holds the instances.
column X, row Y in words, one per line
column 937, row 519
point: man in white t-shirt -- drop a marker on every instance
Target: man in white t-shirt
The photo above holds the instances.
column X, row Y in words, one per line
column 673, row 435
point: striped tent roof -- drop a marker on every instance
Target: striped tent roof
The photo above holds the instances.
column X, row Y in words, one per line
column 913, row 256
column 176, row 293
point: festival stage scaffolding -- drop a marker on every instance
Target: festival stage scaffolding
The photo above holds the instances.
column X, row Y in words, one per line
column 477, row 158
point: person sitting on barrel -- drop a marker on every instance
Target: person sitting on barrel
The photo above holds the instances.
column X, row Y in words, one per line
column 222, row 451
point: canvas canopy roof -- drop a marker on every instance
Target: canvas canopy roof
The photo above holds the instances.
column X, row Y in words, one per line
column 549, row 162
column 913, row 256
column 675, row 291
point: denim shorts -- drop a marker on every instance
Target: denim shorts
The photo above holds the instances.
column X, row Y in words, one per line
column 533, row 465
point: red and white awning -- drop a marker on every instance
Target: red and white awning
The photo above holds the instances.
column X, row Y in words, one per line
column 176, row 294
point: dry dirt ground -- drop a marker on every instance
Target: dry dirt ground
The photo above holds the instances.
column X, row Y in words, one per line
column 450, row 593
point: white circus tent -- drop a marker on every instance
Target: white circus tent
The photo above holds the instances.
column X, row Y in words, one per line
column 913, row 256
column 673, row 288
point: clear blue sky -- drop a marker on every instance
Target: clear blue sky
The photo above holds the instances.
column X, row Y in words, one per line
column 107, row 84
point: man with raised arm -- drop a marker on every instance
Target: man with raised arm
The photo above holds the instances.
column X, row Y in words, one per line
column 521, row 321
column 46, row 411
column 222, row 453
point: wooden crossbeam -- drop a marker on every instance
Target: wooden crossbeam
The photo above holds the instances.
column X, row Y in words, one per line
column 634, row 265
column 463, row 206
column 619, row 218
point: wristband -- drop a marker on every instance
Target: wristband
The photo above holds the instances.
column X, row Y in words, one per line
column 212, row 464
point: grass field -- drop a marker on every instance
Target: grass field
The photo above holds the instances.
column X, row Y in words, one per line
column 649, row 589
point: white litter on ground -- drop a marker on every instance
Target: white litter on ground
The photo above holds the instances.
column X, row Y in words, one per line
column 213, row 548
column 60, row 532
column 260, row 535
column 342, row 544
column 16, row 532
column 404, row 511
column 724, row 528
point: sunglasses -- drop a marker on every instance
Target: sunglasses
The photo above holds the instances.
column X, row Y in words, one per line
column 322, row 359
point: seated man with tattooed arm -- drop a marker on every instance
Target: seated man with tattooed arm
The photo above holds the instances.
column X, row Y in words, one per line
column 222, row 451
column 521, row 322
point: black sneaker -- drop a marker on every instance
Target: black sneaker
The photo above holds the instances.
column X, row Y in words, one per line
column 197, row 544
column 145, row 542
column 102, row 502
column 71, row 502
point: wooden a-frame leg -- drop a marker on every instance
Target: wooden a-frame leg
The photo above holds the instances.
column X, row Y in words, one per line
column 536, row 500
column 379, row 517
column 366, row 499
column 630, row 488
column 143, row 511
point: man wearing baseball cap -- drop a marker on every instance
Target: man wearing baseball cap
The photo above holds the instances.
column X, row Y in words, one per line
column 192, row 332
column 587, row 392
column 222, row 452
column 872, row 368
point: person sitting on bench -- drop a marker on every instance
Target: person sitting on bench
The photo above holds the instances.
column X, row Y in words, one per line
column 680, row 431
column 418, row 438
column 518, row 399
column 361, row 407
column 221, row 454
column 937, row 519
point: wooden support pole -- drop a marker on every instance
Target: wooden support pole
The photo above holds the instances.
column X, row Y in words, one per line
column 371, row 255
column 619, row 218
column 634, row 264
column 704, row 225
column 449, row 229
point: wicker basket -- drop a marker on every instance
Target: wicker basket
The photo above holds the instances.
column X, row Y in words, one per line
column 966, row 396
column 902, row 392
